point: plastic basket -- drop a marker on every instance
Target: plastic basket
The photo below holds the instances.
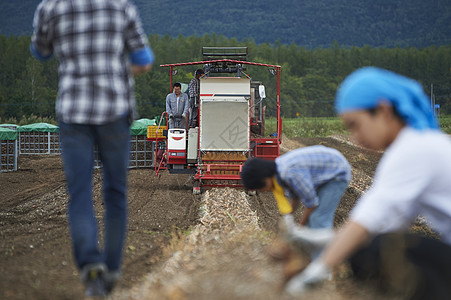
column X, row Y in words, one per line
column 152, row 131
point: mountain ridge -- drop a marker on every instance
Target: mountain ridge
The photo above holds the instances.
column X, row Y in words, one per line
column 309, row 23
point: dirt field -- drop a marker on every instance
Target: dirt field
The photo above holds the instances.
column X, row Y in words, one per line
column 36, row 260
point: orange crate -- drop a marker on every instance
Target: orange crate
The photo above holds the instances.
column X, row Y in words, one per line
column 152, row 131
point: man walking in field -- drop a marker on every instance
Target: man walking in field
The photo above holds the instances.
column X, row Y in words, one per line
column 100, row 45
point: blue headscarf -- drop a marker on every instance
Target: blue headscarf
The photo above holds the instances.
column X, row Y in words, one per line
column 367, row 87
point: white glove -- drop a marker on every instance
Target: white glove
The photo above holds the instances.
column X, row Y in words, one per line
column 309, row 239
column 287, row 224
column 314, row 238
column 315, row 273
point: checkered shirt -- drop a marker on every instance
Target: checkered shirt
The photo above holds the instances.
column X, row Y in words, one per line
column 194, row 87
column 92, row 40
column 303, row 170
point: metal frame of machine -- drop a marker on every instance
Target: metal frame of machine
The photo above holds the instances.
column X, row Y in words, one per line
column 215, row 162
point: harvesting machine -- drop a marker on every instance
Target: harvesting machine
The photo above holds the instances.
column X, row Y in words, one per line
column 231, row 122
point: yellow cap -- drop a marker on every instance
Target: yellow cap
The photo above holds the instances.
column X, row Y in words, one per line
column 282, row 202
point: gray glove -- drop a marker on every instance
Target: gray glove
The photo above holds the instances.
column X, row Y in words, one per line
column 315, row 273
column 309, row 239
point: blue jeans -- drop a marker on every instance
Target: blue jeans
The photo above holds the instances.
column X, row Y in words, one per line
column 113, row 141
column 329, row 195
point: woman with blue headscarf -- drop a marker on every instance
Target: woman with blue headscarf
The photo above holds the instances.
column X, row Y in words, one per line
column 386, row 111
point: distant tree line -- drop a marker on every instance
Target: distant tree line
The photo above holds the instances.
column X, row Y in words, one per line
column 309, row 76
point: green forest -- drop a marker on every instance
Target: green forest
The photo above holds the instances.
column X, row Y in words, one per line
column 309, row 76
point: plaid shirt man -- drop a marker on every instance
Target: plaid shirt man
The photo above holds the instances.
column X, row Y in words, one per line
column 303, row 170
column 99, row 44
column 194, row 88
column 93, row 41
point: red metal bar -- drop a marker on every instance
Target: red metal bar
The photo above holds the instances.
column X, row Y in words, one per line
column 219, row 177
column 217, row 165
column 220, row 60
column 156, row 143
column 220, row 167
column 264, row 140
column 226, row 160
column 159, row 166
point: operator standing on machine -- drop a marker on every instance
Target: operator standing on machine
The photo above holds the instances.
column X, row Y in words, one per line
column 177, row 107
column 194, row 92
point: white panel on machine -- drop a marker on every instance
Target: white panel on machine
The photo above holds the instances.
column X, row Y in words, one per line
column 224, row 125
column 225, row 86
column 193, row 138
column 176, row 139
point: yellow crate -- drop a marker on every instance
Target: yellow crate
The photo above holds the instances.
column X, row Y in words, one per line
column 152, row 131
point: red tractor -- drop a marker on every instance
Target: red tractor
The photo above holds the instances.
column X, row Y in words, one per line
column 231, row 122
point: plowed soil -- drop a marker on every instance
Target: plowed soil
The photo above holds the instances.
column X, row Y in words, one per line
column 35, row 251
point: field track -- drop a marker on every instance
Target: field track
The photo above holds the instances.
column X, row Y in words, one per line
column 36, row 260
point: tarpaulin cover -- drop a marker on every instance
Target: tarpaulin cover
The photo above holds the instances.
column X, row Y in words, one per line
column 38, row 127
column 139, row 127
column 10, row 126
column 7, row 134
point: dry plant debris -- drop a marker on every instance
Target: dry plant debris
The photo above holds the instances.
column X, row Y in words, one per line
column 224, row 257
